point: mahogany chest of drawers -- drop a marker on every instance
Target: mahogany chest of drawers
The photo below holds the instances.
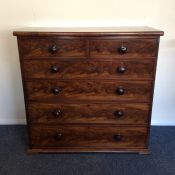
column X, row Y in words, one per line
column 88, row 89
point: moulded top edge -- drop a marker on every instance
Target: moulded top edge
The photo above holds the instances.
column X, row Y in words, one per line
column 88, row 31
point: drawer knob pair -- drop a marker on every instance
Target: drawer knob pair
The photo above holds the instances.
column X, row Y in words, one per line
column 57, row 113
column 53, row 49
column 56, row 90
column 122, row 49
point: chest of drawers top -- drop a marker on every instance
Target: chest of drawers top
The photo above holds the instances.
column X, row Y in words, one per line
column 88, row 89
column 137, row 42
column 88, row 31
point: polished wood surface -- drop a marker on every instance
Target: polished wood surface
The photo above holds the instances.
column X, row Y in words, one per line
column 87, row 136
column 104, row 90
column 117, row 113
column 134, row 48
column 88, row 89
column 89, row 31
column 52, row 47
column 88, row 69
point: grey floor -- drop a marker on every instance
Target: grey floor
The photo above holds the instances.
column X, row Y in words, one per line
column 15, row 161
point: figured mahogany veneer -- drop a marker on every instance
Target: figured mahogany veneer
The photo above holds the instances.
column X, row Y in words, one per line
column 88, row 89
column 104, row 136
column 53, row 47
column 117, row 113
column 135, row 48
column 85, row 69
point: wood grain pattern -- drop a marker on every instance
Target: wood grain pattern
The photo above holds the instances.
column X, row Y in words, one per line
column 89, row 31
column 88, row 90
column 136, row 48
column 133, row 113
column 87, row 136
column 39, row 47
column 81, row 69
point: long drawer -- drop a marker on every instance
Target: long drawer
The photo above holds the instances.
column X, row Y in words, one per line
column 118, row 113
column 72, row 136
column 89, row 90
column 132, row 69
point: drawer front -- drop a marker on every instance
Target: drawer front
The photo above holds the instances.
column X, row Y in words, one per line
column 88, row 113
column 88, row 90
column 87, row 136
column 52, row 47
column 88, row 69
column 122, row 48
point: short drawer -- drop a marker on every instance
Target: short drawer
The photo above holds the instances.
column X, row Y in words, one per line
column 88, row 90
column 123, row 48
column 88, row 69
column 52, row 47
column 134, row 113
column 66, row 136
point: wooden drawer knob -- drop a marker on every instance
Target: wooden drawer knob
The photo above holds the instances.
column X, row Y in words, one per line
column 53, row 49
column 54, row 69
column 56, row 90
column 57, row 113
column 58, row 136
column 122, row 49
column 119, row 114
column 120, row 91
column 118, row 137
column 121, row 70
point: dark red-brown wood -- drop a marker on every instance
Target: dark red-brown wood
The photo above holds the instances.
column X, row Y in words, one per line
column 88, row 90
column 133, row 69
column 89, row 31
column 135, row 48
column 42, row 47
column 117, row 113
column 74, row 90
column 87, row 136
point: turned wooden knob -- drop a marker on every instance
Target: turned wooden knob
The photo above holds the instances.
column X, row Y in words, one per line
column 117, row 137
column 120, row 91
column 121, row 70
column 54, row 69
column 56, row 90
column 53, row 49
column 57, row 113
column 119, row 114
column 122, row 49
column 58, row 136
